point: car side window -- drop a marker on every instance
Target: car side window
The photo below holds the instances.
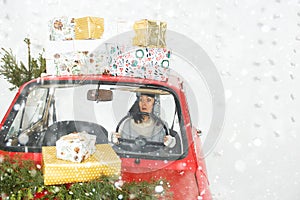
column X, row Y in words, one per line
column 35, row 107
column 29, row 111
column 16, row 125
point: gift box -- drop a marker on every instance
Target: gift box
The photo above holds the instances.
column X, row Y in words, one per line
column 76, row 63
column 149, row 33
column 67, row 28
column 103, row 162
column 61, row 28
column 149, row 63
column 115, row 52
column 89, row 28
column 75, row 147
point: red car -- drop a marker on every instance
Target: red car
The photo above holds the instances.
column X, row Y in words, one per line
column 46, row 108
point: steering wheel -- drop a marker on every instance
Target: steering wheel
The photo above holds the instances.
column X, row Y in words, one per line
column 140, row 142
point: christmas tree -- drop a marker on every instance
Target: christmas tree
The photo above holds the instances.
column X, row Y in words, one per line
column 17, row 74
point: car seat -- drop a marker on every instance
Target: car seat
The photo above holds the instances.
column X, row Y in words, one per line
column 61, row 128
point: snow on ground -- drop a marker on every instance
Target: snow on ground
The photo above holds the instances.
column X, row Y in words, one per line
column 255, row 48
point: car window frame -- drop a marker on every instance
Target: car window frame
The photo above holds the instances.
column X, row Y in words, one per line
column 26, row 89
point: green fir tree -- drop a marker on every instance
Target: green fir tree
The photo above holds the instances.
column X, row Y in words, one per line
column 24, row 180
column 17, row 74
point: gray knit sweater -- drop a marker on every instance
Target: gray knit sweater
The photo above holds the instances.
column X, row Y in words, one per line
column 152, row 130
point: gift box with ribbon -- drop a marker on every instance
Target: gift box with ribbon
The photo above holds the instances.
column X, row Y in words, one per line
column 89, row 28
column 149, row 33
column 75, row 147
column 104, row 162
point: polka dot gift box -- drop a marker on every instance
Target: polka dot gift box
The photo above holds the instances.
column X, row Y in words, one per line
column 103, row 162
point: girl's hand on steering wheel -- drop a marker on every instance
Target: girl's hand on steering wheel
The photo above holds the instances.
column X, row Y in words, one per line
column 115, row 137
column 169, row 141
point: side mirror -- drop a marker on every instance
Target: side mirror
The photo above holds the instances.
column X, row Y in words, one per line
column 99, row 95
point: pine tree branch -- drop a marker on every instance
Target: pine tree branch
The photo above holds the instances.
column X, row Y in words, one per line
column 18, row 74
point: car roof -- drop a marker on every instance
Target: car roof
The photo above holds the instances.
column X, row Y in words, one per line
column 172, row 80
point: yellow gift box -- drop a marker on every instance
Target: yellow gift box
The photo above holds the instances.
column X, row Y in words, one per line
column 89, row 28
column 150, row 33
column 103, row 162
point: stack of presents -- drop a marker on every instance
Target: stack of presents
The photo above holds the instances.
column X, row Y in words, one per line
column 71, row 51
column 73, row 44
column 76, row 158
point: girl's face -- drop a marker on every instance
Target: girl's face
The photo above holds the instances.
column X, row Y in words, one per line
column 146, row 103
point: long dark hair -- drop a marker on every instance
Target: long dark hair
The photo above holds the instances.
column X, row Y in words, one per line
column 135, row 109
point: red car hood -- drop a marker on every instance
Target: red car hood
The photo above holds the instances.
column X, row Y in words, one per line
column 180, row 176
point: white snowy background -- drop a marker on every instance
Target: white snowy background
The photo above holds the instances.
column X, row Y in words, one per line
column 254, row 45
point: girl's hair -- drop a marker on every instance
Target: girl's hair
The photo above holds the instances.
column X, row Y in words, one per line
column 135, row 109
column 146, row 94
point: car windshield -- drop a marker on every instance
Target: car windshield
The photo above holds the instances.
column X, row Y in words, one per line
column 45, row 112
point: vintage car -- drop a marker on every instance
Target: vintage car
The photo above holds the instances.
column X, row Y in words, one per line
column 49, row 107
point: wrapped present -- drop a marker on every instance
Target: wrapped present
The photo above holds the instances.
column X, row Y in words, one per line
column 115, row 52
column 89, row 28
column 76, row 63
column 67, row 28
column 103, row 162
column 61, row 28
column 149, row 33
column 75, row 147
column 149, row 63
